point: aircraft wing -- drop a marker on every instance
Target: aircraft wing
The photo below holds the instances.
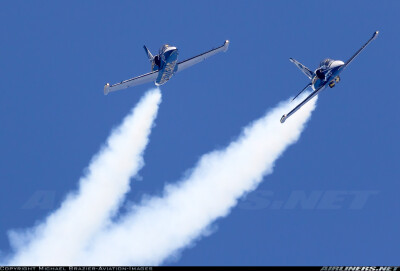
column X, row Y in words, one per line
column 145, row 78
column 359, row 51
column 302, row 91
column 312, row 95
column 194, row 60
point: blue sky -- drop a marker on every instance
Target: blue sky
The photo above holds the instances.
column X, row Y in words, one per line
column 55, row 58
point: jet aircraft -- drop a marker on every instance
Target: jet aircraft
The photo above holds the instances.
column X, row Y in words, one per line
column 326, row 74
column 164, row 66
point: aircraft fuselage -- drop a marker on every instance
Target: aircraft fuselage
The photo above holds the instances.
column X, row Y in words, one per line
column 327, row 73
column 165, row 62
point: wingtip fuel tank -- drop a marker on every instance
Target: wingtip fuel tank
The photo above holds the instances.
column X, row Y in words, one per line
column 283, row 118
column 226, row 45
column 106, row 88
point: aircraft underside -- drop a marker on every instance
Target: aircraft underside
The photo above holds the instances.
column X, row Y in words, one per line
column 326, row 75
column 167, row 59
column 168, row 70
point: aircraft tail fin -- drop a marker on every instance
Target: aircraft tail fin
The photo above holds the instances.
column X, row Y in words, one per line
column 149, row 55
column 303, row 68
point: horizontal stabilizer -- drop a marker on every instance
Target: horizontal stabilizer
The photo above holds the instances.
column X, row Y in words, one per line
column 149, row 55
column 303, row 68
column 302, row 91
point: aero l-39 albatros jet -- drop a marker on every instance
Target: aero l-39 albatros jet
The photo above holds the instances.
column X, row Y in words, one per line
column 326, row 74
column 163, row 66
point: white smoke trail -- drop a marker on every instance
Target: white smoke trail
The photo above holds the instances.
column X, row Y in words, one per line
column 161, row 226
column 63, row 235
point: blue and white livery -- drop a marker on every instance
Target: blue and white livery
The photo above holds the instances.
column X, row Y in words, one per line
column 326, row 74
column 163, row 66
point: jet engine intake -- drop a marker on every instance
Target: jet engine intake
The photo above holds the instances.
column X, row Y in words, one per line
column 320, row 74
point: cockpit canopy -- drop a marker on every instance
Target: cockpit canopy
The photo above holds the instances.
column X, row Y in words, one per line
column 163, row 48
column 326, row 63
